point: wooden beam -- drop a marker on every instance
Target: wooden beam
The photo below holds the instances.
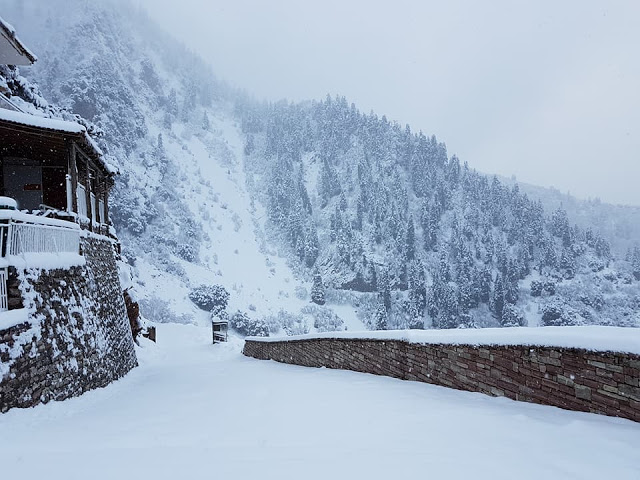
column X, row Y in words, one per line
column 106, row 201
column 87, row 192
column 73, row 171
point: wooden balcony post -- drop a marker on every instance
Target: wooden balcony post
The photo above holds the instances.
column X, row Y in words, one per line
column 88, row 193
column 73, row 171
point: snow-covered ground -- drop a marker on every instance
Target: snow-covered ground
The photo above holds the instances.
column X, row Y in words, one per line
column 193, row 410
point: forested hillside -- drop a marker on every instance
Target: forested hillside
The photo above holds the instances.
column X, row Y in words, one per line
column 218, row 188
column 373, row 206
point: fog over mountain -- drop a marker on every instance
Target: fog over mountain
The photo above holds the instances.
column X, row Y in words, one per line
column 546, row 91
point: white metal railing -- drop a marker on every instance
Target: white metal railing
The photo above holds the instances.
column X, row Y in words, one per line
column 4, row 299
column 23, row 233
column 81, row 195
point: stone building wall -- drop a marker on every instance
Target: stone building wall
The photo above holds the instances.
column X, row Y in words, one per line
column 77, row 336
column 574, row 379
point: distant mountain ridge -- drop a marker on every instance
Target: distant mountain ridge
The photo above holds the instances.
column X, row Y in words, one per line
column 619, row 224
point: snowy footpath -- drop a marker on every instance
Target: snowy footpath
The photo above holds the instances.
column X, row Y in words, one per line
column 194, row 410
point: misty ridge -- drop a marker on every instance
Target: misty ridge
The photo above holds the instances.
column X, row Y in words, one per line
column 314, row 215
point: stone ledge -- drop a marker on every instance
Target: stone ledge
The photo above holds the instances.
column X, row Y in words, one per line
column 82, row 339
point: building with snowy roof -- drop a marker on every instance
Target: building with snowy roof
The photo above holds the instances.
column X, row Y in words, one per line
column 63, row 321
column 52, row 167
column 49, row 167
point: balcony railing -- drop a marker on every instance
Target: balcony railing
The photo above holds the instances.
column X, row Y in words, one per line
column 22, row 233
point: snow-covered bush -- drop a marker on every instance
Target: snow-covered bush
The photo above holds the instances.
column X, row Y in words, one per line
column 211, row 298
column 187, row 252
column 292, row 324
column 301, row 293
column 512, row 316
column 542, row 287
column 245, row 325
column 157, row 310
column 324, row 319
column 556, row 315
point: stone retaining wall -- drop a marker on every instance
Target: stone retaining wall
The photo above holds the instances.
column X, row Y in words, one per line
column 78, row 336
column 574, row 379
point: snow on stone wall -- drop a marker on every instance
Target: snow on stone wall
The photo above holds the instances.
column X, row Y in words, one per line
column 570, row 378
column 76, row 336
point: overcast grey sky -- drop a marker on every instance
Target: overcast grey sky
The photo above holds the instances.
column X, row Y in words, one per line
column 548, row 91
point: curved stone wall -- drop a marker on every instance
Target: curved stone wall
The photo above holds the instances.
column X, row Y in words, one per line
column 570, row 378
column 76, row 335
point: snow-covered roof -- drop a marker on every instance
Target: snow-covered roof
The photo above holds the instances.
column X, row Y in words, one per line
column 595, row 338
column 56, row 125
column 12, row 50
column 41, row 122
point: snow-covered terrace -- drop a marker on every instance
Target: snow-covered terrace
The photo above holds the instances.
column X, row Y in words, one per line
column 196, row 410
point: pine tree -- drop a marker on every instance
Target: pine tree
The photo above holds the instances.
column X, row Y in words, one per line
column 172, row 103
column 206, row 125
column 497, row 297
column 567, row 264
column 410, row 242
column 511, row 288
column 485, row 280
column 417, row 292
column 384, row 288
column 328, row 185
column 448, row 310
column 317, row 290
column 380, row 316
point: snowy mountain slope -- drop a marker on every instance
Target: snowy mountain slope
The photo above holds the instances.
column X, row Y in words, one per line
column 216, row 188
column 377, row 208
column 181, row 204
column 230, row 253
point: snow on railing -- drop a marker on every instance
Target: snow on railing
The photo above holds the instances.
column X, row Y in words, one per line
column 22, row 233
column 81, row 195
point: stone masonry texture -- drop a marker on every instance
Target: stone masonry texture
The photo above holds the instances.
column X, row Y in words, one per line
column 78, row 336
column 574, row 379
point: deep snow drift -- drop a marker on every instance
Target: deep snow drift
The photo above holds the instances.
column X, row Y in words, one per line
column 193, row 410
